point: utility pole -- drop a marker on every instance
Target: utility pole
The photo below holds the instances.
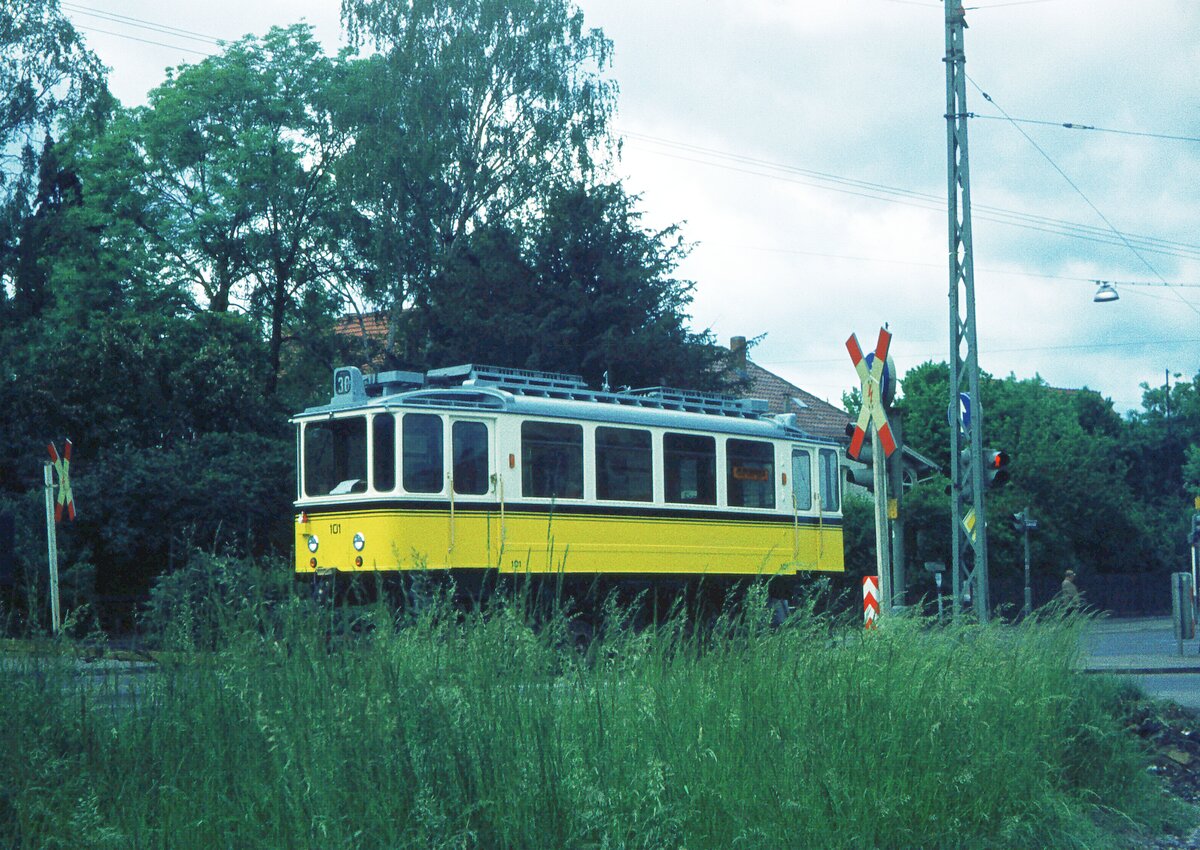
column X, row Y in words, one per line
column 970, row 567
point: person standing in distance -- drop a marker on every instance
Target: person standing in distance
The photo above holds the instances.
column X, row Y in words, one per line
column 1070, row 592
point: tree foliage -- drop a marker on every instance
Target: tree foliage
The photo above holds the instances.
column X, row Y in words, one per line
column 581, row 288
column 1083, row 471
column 489, row 105
column 47, row 74
column 48, row 77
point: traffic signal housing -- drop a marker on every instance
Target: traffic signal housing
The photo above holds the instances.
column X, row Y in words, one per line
column 995, row 468
column 1195, row 539
column 863, row 476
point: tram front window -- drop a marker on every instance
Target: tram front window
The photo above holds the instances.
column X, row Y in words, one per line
column 335, row 457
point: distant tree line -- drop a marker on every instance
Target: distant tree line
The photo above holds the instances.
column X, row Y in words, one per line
column 1111, row 494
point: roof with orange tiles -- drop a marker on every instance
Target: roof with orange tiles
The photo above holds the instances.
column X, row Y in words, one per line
column 814, row 416
column 373, row 326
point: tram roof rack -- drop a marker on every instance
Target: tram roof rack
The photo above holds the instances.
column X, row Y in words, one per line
column 560, row 385
column 507, row 377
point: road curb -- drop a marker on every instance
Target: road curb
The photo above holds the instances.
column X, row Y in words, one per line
column 1143, row 671
column 50, row 647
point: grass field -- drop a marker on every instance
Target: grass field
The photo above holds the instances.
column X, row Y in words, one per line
column 294, row 728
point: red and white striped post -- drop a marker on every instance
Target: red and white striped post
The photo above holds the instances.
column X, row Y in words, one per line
column 870, row 586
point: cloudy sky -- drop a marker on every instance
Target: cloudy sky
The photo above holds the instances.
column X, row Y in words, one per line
column 802, row 145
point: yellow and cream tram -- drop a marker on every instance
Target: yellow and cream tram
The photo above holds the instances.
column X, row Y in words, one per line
column 474, row 470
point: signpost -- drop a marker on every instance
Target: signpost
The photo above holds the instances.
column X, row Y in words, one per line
column 1023, row 523
column 55, row 507
column 873, row 415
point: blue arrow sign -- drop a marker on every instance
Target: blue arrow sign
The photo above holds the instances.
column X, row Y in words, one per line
column 964, row 413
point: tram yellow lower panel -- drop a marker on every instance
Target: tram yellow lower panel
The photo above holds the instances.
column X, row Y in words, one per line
column 570, row 543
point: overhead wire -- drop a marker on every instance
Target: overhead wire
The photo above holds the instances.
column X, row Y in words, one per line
column 141, row 23
column 1071, row 125
column 180, row 48
column 1081, row 194
column 894, row 261
column 906, row 197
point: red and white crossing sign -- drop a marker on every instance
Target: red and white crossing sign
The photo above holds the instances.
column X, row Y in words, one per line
column 870, row 601
column 62, row 466
column 872, row 412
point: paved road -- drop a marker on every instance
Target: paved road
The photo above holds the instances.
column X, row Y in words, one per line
column 1147, row 651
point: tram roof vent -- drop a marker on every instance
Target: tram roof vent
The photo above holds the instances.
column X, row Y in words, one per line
column 383, row 384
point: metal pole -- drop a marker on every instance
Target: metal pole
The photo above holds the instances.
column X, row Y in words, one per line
column 1195, row 590
column 896, row 487
column 882, row 540
column 966, row 486
column 1028, row 589
column 51, row 544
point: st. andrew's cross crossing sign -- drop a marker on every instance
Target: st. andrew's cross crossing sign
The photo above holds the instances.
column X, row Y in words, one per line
column 872, row 411
column 62, row 465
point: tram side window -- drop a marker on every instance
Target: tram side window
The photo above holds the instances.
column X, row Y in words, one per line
column 828, row 469
column 551, row 460
column 750, row 474
column 335, row 457
column 423, row 461
column 690, row 469
column 471, row 466
column 802, row 479
column 383, row 439
column 624, row 465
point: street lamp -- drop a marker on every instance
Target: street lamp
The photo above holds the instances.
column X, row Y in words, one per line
column 1105, row 292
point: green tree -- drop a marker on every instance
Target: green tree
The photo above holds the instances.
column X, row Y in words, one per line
column 1191, row 470
column 175, row 443
column 47, row 78
column 467, row 115
column 228, row 170
column 1067, row 466
column 46, row 75
column 587, row 289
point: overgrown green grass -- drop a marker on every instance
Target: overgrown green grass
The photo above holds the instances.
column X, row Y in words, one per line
column 292, row 730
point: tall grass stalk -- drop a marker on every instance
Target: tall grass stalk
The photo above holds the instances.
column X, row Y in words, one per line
column 464, row 730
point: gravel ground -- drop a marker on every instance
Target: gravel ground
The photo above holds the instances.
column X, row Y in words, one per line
column 1173, row 734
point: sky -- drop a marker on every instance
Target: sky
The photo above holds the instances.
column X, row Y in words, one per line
column 801, row 146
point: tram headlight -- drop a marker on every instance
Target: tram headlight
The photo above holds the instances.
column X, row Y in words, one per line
column 359, row 542
column 312, row 543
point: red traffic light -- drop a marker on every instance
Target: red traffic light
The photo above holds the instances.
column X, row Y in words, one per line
column 995, row 467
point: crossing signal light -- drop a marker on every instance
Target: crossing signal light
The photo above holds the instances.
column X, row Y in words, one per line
column 1196, row 529
column 995, row 468
column 863, row 476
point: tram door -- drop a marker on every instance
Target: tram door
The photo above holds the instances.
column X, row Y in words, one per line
column 471, row 483
column 802, row 502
